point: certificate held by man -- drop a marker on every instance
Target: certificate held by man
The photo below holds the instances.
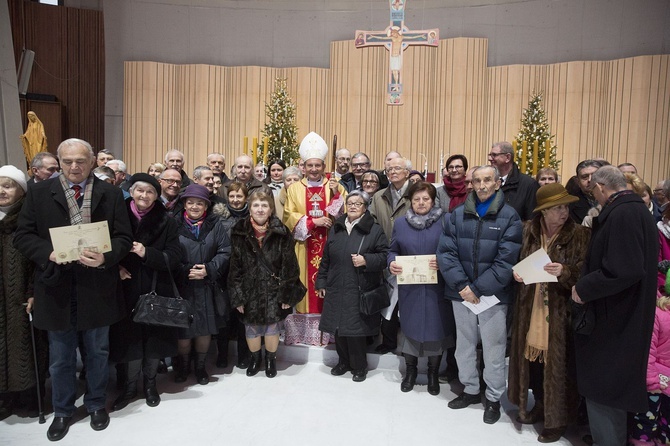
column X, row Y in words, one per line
column 416, row 270
column 70, row 241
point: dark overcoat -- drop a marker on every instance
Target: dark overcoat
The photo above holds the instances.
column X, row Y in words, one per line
column 341, row 280
column 250, row 284
column 520, row 190
column 425, row 315
column 157, row 231
column 98, row 291
column 560, row 385
column 17, row 369
column 619, row 281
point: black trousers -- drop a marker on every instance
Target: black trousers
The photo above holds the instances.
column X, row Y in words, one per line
column 390, row 330
column 352, row 351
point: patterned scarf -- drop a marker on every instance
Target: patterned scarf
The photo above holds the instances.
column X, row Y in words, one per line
column 260, row 230
column 78, row 215
column 140, row 214
column 194, row 225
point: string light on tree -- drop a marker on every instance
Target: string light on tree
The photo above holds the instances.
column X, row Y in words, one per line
column 280, row 128
column 533, row 145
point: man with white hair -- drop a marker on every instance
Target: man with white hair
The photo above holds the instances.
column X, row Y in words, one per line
column 217, row 163
column 342, row 161
column 244, row 173
column 174, row 159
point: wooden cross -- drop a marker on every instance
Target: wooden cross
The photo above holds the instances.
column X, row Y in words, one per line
column 396, row 38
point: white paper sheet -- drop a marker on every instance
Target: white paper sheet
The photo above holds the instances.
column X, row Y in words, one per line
column 531, row 268
column 485, row 302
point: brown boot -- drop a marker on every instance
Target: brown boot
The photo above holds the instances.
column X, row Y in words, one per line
column 551, row 435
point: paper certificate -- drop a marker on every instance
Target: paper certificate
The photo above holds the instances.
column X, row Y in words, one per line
column 416, row 270
column 70, row 241
column 485, row 302
column 531, row 269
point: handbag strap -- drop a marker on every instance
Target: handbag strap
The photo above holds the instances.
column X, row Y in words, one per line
column 174, row 285
column 358, row 272
column 263, row 261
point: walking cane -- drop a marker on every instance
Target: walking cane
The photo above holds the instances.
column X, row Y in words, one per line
column 37, row 371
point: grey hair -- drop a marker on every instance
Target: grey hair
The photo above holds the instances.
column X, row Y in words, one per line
column 121, row 164
column 75, row 141
column 610, row 177
column 505, row 147
column 162, row 174
column 360, row 155
column 666, row 188
column 360, row 193
column 38, row 159
column 496, row 174
column 144, row 184
column 291, row 170
column 209, row 157
column 197, row 172
column 167, row 155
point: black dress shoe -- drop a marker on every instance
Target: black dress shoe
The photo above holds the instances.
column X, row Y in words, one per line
column 244, row 362
column 59, row 427
column 383, row 349
column 99, row 419
column 222, row 361
column 491, row 411
column 359, row 375
column 448, row 376
column 464, row 400
column 162, row 367
column 340, row 369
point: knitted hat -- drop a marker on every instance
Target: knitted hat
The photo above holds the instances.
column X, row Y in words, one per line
column 196, row 191
column 313, row 146
column 146, row 178
column 552, row 194
column 15, row 174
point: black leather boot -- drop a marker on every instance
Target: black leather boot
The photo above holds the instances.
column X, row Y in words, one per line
column 150, row 392
column 255, row 365
column 181, row 368
column 433, row 374
column 410, row 374
column 129, row 393
column 270, row 364
column 222, row 347
column 200, row 372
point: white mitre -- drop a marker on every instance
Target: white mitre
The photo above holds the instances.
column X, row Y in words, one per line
column 313, row 146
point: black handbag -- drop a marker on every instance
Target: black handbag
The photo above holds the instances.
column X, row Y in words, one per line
column 372, row 301
column 152, row 309
column 583, row 318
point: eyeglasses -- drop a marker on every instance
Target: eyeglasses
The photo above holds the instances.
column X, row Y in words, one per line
column 395, row 169
column 359, row 165
column 493, row 155
column 356, row 204
column 171, row 182
column 370, row 182
column 454, row 167
column 658, row 191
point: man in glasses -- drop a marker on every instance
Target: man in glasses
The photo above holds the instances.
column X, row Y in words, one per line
column 360, row 163
column 519, row 188
column 170, row 180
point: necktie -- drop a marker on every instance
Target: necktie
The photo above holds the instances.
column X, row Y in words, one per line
column 77, row 192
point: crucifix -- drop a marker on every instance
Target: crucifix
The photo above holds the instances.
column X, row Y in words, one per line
column 396, row 38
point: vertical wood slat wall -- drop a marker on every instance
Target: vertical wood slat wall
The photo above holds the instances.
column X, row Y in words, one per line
column 69, row 64
column 454, row 103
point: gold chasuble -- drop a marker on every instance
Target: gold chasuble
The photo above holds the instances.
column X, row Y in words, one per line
column 303, row 204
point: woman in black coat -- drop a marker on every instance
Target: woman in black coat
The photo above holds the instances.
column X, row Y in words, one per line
column 263, row 254
column 354, row 257
column 154, row 236
column 201, row 277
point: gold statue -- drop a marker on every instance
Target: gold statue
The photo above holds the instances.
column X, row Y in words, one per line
column 35, row 139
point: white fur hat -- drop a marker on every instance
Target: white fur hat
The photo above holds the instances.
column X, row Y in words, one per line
column 15, row 174
column 313, row 146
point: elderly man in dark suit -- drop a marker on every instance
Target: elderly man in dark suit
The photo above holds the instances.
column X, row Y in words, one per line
column 619, row 284
column 80, row 297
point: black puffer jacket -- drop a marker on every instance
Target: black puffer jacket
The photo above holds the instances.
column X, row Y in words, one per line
column 250, row 284
column 338, row 276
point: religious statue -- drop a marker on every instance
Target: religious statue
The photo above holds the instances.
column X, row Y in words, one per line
column 35, row 139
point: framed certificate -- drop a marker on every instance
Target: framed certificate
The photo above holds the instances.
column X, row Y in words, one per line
column 416, row 270
column 70, row 241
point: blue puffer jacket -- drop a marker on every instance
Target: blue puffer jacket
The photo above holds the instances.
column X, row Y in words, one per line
column 480, row 251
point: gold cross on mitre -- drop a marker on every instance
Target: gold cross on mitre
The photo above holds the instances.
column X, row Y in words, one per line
column 396, row 38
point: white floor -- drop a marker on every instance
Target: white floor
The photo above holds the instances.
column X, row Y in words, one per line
column 303, row 405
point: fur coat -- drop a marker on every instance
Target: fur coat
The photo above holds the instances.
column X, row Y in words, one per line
column 560, row 387
column 17, row 369
column 250, row 284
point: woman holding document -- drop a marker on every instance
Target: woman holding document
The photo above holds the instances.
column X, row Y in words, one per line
column 426, row 317
column 541, row 349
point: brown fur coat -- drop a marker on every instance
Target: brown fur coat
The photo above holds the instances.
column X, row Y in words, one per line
column 560, row 388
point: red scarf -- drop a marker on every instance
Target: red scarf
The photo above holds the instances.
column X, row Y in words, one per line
column 456, row 192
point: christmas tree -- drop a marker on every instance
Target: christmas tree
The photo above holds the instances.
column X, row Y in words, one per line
column 280, row 128
column 534, row 127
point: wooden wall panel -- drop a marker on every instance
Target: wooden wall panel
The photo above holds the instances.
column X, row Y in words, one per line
column 454, row 103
